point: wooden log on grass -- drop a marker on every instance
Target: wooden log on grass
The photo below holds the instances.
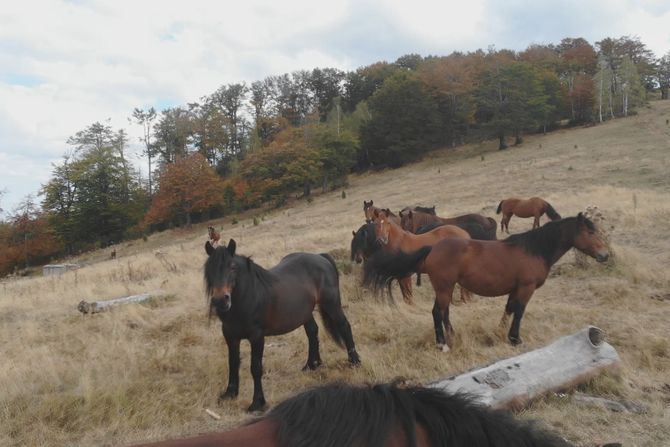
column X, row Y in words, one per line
column 99, row 306
column 514, row 382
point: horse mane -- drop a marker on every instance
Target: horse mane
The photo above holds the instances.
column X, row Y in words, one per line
column 546, row 240
column 340, row 414
column 364, row 238
column 426, row 209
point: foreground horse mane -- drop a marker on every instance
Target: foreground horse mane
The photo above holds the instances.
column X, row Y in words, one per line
column 543, row 241
column 345, row 415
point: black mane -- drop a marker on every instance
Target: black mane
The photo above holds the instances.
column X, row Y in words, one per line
column 548, row 239
column 345, row 415
column 216, row 263
column 364, row 239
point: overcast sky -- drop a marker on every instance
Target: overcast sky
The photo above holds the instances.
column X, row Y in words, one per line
column 66, row 64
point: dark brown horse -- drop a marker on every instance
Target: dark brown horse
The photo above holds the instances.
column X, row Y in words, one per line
column 478, row 226
column 214, row 235
column 364, row 243
column 385, row 415
column 533, row 207
column 393, row 238
column 253, row 303
column 516, row 266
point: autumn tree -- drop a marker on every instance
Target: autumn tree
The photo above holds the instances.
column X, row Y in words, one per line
column 187, row 186
column 172, row 134
column 578, row 66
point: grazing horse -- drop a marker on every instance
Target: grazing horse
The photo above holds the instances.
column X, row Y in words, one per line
column 516, row 266
column 393, row 238
column 533, row 207
column 253, row 303
column 478, row 226
column 214, row 235
column 382, row 415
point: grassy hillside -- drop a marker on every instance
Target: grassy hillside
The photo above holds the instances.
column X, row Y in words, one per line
column 146, row 372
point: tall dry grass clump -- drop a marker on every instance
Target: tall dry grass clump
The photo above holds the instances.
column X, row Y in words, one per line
column 148, row 371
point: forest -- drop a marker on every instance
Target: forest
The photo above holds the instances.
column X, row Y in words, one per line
column 247, row 145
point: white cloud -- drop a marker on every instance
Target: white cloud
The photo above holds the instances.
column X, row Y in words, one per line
column 66, row 64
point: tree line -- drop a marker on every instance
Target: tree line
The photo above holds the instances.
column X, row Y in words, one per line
column 248, row 144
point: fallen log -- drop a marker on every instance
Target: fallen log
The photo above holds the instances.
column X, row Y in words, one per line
column 618, row 406
column 99, row 306
column 512, row 383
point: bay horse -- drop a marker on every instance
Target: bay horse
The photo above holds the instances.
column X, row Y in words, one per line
column 478, row 226
column 516, row 266
column 369, row 210
column 253, row 303
column 393, row 238
column 214, row 235
column 534, row 207
column 382, row 415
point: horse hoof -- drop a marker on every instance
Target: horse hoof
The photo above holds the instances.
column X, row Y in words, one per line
column 515, row 341
column 256, row 407
column 311, row 365
column 443, row 347
column 228, row 395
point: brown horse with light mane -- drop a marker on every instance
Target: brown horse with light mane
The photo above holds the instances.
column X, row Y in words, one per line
column 533, row 207
column 393, row 238
column 516, row 266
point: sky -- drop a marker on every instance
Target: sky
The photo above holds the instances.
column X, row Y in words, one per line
column 65, row 64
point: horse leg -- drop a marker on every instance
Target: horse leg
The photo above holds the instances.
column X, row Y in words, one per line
column 257, row 346
column 441, row 317
column 466, row 296
column 406, row 289
column 536, row 222
column 517, row 305
column 418, row 279
column 313, row 357
column 233, row 369
column 506, row 219
column 337, row 324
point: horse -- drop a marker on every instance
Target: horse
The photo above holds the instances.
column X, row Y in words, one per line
column 214, row 235
column 391, row 237
column 381, row 415
column 478, row 226
column 533, row 207
column 253, row 303
column 421, row 209
column 369, row 210
column 112, row 255
column 516, row 266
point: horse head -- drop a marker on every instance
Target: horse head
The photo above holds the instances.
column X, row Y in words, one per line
column 588, row 241
column 221, row 271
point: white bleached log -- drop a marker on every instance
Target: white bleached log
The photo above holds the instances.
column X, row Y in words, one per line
column 514, row 382
column 98, row 306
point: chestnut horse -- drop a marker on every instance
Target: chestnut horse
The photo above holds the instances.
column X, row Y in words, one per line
column 393, row 238
column 533, row 207
column 478, row 226
column 253, row 303
column 516, row 267
column 214, row 235
column 383, row 415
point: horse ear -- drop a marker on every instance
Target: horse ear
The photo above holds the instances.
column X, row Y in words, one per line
column 353, row 233
column 410, row 214
column 231, row 247
column 209, row 248
column 433, row 208
column 580, row 217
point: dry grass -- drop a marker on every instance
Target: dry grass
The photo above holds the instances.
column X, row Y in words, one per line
column 146, row 372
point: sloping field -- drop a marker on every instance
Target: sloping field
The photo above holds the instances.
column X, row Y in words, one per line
column 146, row 372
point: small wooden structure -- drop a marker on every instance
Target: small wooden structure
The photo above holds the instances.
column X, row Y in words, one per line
column 58, row 269
column 514, row 382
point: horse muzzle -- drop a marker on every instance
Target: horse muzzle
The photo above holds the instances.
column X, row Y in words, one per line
column 221, row 303
column 602, row 257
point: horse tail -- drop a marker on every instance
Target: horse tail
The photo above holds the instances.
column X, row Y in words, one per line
column 383, row 267
column 326, row 309
column 551, row 212
column 499, row 208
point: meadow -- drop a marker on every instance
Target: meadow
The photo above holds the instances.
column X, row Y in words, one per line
column 145, row 372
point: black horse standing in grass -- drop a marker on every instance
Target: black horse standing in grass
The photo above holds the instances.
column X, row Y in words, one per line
column 253, row 302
